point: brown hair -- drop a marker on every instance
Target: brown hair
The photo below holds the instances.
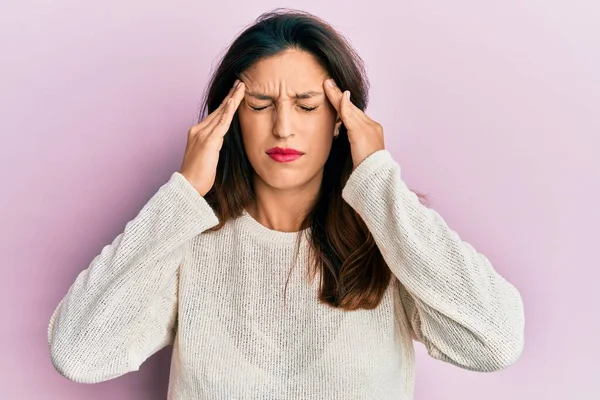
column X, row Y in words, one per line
column 353, row 273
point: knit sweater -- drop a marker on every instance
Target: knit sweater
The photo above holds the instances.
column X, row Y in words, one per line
column 218, row 298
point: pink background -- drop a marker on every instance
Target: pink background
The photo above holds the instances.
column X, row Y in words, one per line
column 491, row 107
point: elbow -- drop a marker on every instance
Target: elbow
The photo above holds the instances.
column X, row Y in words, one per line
column 489, row 352
column 501, row 356
column 481, row 356
column 79, row 362
column 505, row 345
column 69, row 365
column 65, row 360
column 85, row 365
column 504, row 350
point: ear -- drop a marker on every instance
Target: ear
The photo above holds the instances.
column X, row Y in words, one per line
column 338, row 124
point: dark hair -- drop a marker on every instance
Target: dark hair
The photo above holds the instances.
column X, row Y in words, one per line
column 343, row 252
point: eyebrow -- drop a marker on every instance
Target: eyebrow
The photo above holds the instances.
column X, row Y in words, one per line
column 304, row 95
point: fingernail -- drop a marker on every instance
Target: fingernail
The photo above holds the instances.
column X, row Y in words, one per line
column 236, row 83
column 330, row 82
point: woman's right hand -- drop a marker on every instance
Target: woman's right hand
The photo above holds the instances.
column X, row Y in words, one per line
column 205, row 139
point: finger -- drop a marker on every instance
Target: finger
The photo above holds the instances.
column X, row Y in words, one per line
column 217, row 118
column 220, row 117
column 333, row 93
column 223, row 123
column 216, row 112
column 349, row 113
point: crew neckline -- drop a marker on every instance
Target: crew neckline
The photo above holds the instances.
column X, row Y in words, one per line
column 257, row 229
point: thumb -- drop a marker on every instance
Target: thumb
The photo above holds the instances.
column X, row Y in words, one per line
column 333, row 93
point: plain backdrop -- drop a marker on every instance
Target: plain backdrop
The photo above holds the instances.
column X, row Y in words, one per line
column 490, row 107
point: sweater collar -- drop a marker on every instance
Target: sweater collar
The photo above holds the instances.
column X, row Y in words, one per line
column 255, row 228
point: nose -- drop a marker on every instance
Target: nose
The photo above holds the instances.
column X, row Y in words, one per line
column 282, row 126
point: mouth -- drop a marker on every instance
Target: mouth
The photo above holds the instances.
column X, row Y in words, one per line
column 284, row 155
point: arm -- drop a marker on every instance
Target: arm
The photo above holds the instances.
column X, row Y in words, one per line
column 459, row 307
column 123, row 307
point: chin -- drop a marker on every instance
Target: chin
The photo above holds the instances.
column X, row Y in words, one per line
column 283, row 177
column 284, row 181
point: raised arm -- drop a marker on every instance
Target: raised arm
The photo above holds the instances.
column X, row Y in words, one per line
column 459, row 307
column 123, row 307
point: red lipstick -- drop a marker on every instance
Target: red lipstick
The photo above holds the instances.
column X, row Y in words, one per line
column 284, row 155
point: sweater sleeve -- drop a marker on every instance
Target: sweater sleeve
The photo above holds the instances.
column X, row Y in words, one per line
column 458, row 306
column 123, row 307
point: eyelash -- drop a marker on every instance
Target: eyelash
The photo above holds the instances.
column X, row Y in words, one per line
column 307, row 109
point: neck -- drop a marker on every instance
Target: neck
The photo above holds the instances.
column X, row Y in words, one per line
column 283, row 209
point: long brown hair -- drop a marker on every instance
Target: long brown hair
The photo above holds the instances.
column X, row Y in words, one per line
column 352, row 271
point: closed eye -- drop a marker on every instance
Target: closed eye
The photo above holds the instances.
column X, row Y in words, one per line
column 307, row 109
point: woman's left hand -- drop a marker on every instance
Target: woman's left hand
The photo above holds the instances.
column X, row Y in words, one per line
column 364, row 134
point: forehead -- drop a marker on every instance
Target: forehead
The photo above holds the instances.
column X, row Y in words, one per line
column 292, row 70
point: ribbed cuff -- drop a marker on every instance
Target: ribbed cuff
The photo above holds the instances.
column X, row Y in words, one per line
column 188, row 192
column 376, row 166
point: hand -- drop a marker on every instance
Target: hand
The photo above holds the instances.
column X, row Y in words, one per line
column 199, row 165
column 364, row 134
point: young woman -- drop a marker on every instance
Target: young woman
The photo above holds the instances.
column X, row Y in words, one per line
column 286, row 259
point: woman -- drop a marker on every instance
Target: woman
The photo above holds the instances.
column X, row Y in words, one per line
column 286, row 259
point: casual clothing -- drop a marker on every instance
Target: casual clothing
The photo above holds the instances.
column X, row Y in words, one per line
column 238, row 333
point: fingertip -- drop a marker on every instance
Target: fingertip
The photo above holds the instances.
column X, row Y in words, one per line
column 331, row 87
column 343, row 98
column 240, row 91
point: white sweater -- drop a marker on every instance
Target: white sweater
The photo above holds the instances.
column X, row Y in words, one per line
column 218, row 298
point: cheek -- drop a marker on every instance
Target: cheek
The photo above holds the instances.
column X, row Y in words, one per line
column 248, row 122
column 252, row 121
column 253, row 134
column 319, row 127
column 318, row 135
column 242, row 114
column 327, row 119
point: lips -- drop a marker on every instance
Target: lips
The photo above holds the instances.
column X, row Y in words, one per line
column 284, row 155
column 279, row 150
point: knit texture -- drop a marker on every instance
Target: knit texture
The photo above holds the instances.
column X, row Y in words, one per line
column 219, row 298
